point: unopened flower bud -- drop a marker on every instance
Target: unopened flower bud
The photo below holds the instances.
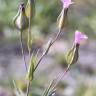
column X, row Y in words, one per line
column 21, row 20
column 30, row 9
column 72, row 55
column 62, row 19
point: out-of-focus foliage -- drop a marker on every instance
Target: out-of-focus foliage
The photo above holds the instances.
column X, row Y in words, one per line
column 86, row 90
column 81, row 15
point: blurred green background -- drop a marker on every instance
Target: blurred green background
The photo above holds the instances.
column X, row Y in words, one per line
column 81, row 80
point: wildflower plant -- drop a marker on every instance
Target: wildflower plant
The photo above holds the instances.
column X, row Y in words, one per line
column 22, row 21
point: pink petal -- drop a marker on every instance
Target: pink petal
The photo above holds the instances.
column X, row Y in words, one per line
column 66, row 3
column 79, row 37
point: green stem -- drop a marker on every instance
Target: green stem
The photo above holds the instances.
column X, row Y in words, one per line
column 21, row 43
column 55, row 82
column 29, row 50
column 15, row 86
column 47, row 50
column 29, row 37
column 28, row 87
column 60, row 77
column 48, row 89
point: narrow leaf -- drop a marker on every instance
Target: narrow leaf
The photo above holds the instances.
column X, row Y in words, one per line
column 30, row 74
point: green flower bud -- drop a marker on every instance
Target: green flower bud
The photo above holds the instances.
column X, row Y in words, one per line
column 21, row 20
column 62, row 19
column 30, row 9
column 72, row 55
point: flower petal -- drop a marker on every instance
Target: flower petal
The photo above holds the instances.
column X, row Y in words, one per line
column 66, row 3
column 79, row 37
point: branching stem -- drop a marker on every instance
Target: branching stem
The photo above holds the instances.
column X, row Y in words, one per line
column 47, row 50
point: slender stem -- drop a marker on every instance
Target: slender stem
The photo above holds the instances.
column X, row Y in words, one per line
column 48, row 89
column 39, row 61
column 14, row 83
column 60, row 77
column 45, row 53
column 28, row 84
column 58, row 34
column 28, row 87
column 21, row 43
column 55, row 82
column 29, row 49
column 29, row 37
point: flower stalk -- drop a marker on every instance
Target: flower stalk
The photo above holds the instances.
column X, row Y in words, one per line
column 30, row 12
column 22, row 50
column 21, row 22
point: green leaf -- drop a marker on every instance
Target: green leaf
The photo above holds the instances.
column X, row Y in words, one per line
column 30, row 74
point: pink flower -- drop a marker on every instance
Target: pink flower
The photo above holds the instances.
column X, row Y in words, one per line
column 66, row 3
column 79, row 37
